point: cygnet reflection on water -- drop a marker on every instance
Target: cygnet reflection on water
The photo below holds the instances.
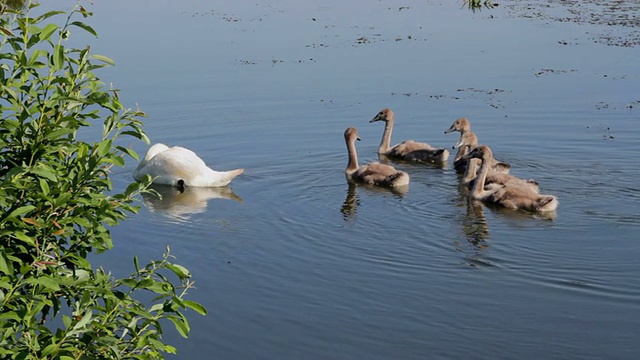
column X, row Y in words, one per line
column 180, row 204
column 349, row 208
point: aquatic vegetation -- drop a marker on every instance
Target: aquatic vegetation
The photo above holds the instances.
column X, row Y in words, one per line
column 479, row 4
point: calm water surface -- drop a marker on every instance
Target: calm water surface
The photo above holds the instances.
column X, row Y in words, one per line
column 292, row 263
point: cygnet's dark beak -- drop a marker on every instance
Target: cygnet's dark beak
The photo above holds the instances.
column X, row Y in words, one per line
column 376, row 118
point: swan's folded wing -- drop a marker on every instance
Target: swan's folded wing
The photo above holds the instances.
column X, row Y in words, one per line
column 409, row 146
column 417, row 151
column 375, row 173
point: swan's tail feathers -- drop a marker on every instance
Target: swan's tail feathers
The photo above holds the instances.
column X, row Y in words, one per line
column 442, row 154
column 502, row 167
column 547, row 203
column 399, row 178
column 233, row 173
column 236, row 172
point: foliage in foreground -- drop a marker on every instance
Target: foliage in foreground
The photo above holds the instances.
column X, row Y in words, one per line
column 478, row 4
column 11, row 4
column 55, row 205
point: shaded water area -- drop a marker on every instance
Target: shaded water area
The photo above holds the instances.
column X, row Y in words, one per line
column 293, row 263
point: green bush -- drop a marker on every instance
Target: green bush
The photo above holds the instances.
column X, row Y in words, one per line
column 57, row 201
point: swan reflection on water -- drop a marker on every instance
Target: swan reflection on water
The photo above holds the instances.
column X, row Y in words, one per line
column 180, row 204
column 349, row 208
column 475, row 224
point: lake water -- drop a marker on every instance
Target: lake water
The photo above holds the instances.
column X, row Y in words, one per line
column 292, row 263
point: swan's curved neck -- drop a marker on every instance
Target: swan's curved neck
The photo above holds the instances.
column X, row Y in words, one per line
column 151, row 152
column 462, row 151
column 478, row 185
column 471, row 170
column 141, row 164
column 465, row 148
column 352, row 165
column 385, row 143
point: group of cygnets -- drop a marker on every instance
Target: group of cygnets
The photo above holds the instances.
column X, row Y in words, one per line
column 492, row 183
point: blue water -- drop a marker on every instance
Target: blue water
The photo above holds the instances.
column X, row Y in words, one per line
column 292, row 263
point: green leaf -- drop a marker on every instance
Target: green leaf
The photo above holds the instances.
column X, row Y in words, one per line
column 104, row 59
column 179, row 270
column 83, row 222
column 129, row 152
column 58, row 57
column 5, row 285
column 20, row 235
column 49, row 349
column 156, row 343
column 58, row 133
column 44, row 186
column 5, row 266
column 138, row 135
column 181, row 325
column 136, row 266
column 115, row 160
column 21, row 210
column 48, row 15
column 84, row 321
column 104, row 147
column 44, row 281
column 195, row 306
column 9, row 315
column 86, row 27
column 44, row 172
column 47, row 31
column 66, row 321
column 144, row 283
column 32, row 29
column 35, row 55
column 162, row 288
column 134, row 186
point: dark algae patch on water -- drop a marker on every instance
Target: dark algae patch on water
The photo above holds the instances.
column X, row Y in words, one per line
column 617, row 22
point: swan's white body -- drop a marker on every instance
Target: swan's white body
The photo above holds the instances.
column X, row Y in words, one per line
column 177, row 166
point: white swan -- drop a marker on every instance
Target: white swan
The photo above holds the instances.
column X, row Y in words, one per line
column 180, row 167
column 510, row 196
column 407, row 150
column 373, row 173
